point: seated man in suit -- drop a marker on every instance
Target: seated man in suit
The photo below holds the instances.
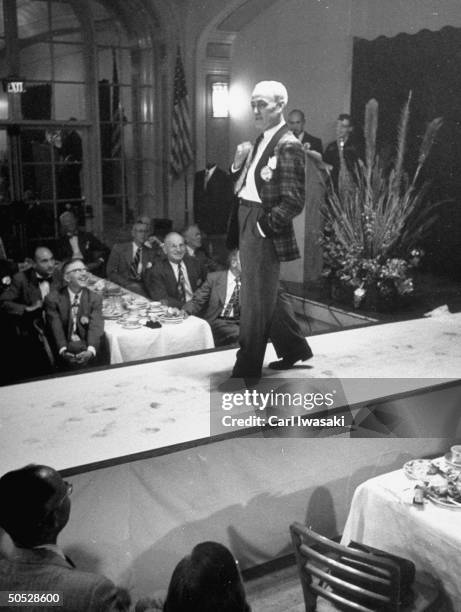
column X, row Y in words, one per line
column 194, row 248
column 75, row 243
column 74, row 316
column 218, row 302
column 296, row 121
column 21, row 305
column 35, row 508
column 128, row 261
column 173, row 279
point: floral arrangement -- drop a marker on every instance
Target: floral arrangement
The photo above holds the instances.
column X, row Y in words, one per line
column 376, row 218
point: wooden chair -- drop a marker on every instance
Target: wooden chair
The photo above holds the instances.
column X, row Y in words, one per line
column 336, row 577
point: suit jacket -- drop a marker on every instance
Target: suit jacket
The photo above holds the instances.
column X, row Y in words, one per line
column 209, row 299
column 40, row 569
column 120, row 259
column 161, row 284
column 282, row 193
column 90, row 323
column 351, row 152
column 24, row 291
column 314, row 143
column 212, row 204
column 90, row 247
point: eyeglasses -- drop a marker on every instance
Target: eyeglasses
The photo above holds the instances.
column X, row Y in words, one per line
column 78, row 270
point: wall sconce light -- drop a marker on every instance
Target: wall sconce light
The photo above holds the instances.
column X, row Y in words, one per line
column 220, row 100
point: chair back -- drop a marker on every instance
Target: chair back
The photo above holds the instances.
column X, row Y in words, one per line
column 347, row 578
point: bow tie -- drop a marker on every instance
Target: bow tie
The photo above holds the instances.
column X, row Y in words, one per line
column 71, row 234
column 42, row 279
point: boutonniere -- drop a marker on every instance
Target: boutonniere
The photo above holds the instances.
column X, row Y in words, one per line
column 148, row 265
column 87, row 245
column 268, row 171
column 84, row 320
column 6, row 280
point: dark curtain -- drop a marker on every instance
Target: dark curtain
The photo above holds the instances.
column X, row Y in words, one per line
column 428, row 64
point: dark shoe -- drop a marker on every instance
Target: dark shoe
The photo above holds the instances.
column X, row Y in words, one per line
column 287, row 363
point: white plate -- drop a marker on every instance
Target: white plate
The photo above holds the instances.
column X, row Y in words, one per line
column 172, row 320
column 417, row 469
column 438, row 501
column 111, row 317
column 138, row 326
column 448, row 459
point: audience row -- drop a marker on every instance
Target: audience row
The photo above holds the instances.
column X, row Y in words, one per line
column 52, row 320
column 35, row 509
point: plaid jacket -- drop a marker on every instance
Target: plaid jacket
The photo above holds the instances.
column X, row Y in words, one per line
column 279, row 178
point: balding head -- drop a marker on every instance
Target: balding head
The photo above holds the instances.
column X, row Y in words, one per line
column 174, row 247
column 35, row 505
column 296, row 121
column 275, row 89
column 44, row 262
column 268, row 100
column 193, row 236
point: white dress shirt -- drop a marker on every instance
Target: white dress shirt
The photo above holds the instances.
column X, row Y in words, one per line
column 187, row 285
column 249, row 191
column 44, row 286
column 208, row 174
column 76, row 253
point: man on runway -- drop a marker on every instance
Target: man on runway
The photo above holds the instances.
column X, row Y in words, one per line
column 269, row 183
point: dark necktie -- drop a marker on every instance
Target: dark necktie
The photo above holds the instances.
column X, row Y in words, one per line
column 181, row 284
column 74, row 313
column 135, row 262
column 232, row 307
column 243, row 175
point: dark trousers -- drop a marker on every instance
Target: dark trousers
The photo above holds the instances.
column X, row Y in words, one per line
column 225, row 332
column 265, row 311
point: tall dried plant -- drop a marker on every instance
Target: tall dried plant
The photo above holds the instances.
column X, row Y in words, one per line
column 381, row 213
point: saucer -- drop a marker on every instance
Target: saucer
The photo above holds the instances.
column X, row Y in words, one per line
column 448, row 459
column 134, row 326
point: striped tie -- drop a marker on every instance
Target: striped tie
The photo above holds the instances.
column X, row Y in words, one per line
column 135, row 263
column 181, row 284
column 74, row 312
column 232, row 308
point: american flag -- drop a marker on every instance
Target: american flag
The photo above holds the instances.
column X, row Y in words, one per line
column 116, row 113
column 181, row 142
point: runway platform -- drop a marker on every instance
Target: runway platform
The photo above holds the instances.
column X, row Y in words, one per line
column 150, row 482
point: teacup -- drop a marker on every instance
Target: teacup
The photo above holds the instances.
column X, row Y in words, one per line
column 456, row 453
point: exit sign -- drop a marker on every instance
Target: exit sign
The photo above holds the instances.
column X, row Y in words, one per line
column 15, row 87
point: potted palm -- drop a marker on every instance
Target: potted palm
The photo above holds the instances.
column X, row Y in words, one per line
column 376, row 218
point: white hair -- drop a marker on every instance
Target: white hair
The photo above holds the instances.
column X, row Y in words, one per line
column 272, row 88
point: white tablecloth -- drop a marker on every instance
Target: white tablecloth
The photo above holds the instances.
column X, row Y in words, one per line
column 383, row 516
column 193, row 334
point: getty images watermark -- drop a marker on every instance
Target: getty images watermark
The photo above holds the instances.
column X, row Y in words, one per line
column 288, row 407
column 272, row 400
column 351, row 407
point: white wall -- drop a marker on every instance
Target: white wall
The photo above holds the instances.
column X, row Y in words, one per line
column 307, row 44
